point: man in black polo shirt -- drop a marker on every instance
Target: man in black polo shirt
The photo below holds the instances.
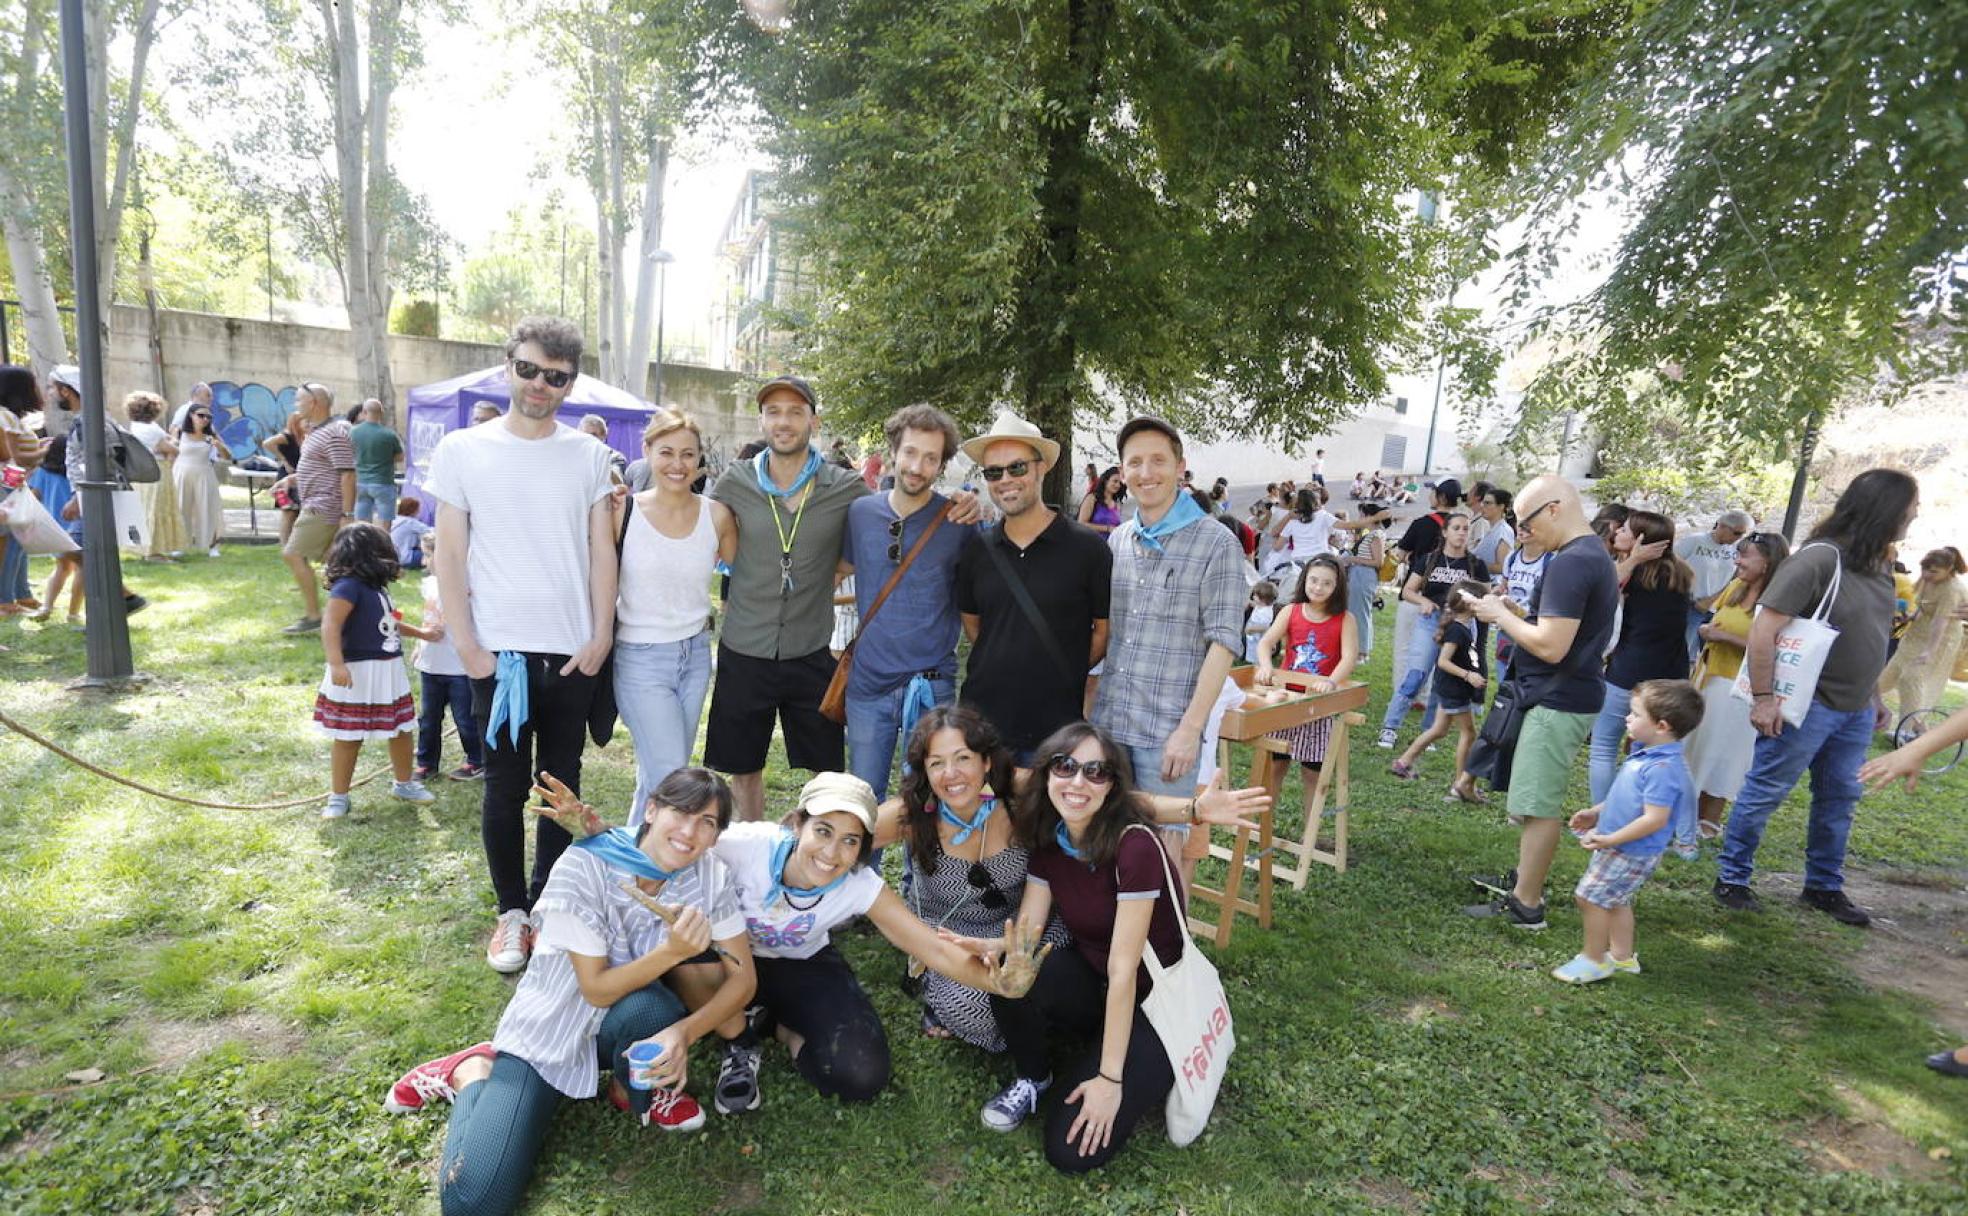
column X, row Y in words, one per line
column 1027, row 682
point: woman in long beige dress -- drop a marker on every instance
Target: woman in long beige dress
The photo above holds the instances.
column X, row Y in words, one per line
column 160, row 497
column 1918, row 673
column 199, row 448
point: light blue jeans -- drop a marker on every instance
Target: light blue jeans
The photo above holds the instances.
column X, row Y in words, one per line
column 1422, row 652
column 375, row 501
column 1602, row 758
column 1147, row 764
column 874, row 730
column 1832, row 744
column 659, row 694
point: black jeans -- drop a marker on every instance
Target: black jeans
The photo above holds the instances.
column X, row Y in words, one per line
column 557, row 729
column 1071, row 997
column 846, row 1050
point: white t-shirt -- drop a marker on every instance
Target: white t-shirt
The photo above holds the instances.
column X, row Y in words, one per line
column 529, row 501
column 1260, row 619
column 1714, row 564
column 149, row 434
column 1299, row 541
column 782, row 930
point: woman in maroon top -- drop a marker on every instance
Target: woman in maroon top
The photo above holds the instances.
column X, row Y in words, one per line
column 1109, row 886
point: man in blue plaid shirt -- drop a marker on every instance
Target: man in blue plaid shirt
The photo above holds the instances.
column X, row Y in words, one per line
column 1176, row 617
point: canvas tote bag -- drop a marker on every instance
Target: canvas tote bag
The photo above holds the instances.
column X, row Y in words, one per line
column 1191, row 1016
column 1802, row 647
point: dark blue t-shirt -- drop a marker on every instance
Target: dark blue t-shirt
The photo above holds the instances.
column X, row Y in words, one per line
column 916, row 630
column 1580, row 584
column 1450, row 688
column 370, row 630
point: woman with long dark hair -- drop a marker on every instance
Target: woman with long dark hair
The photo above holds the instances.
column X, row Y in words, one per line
column 197, row 471
column 1101, row 508
column 1718, row 751
column 20, row 395
column 1652, row 639
column 1851, row 545
column 1427, row 589
column 1110, row 885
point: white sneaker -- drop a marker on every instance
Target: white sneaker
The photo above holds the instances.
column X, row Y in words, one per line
column 1386, row 739
column 212, row 552
column 512, row 942
column 411, row 791
column 338, row 806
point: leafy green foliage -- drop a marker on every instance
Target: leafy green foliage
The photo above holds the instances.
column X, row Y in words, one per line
column 1793, row 173
column 418, row 318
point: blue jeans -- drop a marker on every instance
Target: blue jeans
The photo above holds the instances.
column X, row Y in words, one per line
column 13, row 572
column 375, row 501
column 1359, row 602
column 1423, row 650
column 1832, row 744
column 456, row 692
column 1696, row 619
column 659, row 693
column 1603, row 760
column 499, row 1125
column 1147, row 765
column 874, row 728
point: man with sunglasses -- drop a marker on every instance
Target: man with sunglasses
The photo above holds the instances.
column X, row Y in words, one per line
column 905, row 656
column 527, row 576
column 324, row 490
column 201, row 395
column 1029, row 653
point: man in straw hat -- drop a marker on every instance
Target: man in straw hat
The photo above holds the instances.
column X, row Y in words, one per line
column 1028, row 665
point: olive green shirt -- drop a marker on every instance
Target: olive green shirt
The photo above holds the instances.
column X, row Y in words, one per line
column 761, row 618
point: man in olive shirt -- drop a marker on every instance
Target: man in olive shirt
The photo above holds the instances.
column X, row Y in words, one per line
column 1850, row 545
column 791, row 508
column 377, row 449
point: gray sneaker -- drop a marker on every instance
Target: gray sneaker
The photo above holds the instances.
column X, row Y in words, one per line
column 307, row 624
column 738, row 1080
column 412, row 791
column 1014, row 1104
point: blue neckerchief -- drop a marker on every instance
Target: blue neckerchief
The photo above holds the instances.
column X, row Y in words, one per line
column 918, row 700
column 509, row 708
column 761, row 466
column 965, row 827
column 617, row 847
column 1181, row 514
column 1065, row 843
column 782, row 848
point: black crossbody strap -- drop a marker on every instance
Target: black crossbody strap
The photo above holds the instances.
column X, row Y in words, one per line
column 1025, row 605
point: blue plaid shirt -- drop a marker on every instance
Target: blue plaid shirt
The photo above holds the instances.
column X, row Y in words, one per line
column 1167, row 608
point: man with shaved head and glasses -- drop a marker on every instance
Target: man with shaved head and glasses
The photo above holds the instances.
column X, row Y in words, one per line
column 527, row 576
column 324, row 490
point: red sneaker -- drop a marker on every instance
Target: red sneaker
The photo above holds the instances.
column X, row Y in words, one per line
column 673, row 1110
column 430, row 1080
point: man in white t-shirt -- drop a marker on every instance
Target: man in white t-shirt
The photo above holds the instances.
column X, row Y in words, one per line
column 1712, row 556
column 527, row 576
column 1319, row 467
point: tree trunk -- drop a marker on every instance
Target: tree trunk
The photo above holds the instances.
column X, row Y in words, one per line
column 34, row 283
column 618, row 215
column 361, row 171
column 1049, row 376
column 604, row 237
column 385, row 28
column 115, row 189
column 648, row 273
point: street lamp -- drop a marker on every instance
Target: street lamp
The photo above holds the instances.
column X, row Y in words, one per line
column 662, row 258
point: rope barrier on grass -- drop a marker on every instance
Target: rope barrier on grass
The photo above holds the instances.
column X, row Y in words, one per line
column 11, row 724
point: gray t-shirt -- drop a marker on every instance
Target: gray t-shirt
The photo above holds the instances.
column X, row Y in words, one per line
column 761, row 618
column 1862, row 614
column 1714, row 563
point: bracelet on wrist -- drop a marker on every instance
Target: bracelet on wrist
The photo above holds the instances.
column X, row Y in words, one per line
column 1193, row 805
column 1111, row 1080
column 1758, row 696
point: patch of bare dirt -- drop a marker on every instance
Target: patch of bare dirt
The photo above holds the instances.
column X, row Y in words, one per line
column 173, row 1043
column 1918, row 942
column 1620, row 1125
column 1860, row 1141
column 1389, row 1194
column 197, row 1201
column 1430, row 1010
column 32, row 1144
column 1532, row 1190
column 744, row 1195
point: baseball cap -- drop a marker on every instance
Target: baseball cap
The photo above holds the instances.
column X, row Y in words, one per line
column 796, row 383
column 69, row 374
column 1147, row 422
column 830, row 792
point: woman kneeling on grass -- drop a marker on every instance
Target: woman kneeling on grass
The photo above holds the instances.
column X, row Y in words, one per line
column 595, row 990
column 1110, row 887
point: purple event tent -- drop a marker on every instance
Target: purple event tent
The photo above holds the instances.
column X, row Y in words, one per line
column 435, row 410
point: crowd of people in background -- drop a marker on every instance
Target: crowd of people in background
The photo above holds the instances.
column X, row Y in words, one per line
column 1052, row 781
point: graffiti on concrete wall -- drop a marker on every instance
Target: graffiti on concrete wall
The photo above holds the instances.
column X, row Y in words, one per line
column 248, row 414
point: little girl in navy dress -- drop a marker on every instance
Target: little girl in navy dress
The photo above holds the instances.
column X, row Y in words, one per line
column 365, row 692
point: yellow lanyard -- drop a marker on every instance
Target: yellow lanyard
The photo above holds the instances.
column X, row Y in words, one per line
column 786, row 538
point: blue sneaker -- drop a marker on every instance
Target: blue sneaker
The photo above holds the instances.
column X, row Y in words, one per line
column 1582, row 970
column 1014, row 1104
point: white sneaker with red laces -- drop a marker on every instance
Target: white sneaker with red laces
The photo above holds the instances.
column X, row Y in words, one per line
column 430, row 1081
column 673, row 1110
column 512, row 942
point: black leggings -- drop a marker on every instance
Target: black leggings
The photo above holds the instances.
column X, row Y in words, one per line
column 557, row 728
column 1071, row 997
column 846, row 1050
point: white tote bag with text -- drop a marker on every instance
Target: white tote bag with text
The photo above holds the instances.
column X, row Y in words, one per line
column 1801, row 650
column 1191, row 1016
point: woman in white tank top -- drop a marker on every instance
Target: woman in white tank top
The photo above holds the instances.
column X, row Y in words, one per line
column 671, row 540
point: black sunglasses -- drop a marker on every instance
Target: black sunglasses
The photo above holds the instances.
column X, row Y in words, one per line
column 1759, row 539
column 1065, row 767
column 987, row 891
column 554, row 378
column 894, row 542
column 995, row 472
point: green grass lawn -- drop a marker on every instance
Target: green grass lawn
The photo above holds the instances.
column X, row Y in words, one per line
column 251, row 982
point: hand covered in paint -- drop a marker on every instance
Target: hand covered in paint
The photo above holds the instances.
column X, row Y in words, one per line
column 1023, row 955
column 565, row 807
column 1231, row 808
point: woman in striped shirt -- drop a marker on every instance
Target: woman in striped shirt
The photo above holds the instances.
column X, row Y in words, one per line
column 619, row 914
